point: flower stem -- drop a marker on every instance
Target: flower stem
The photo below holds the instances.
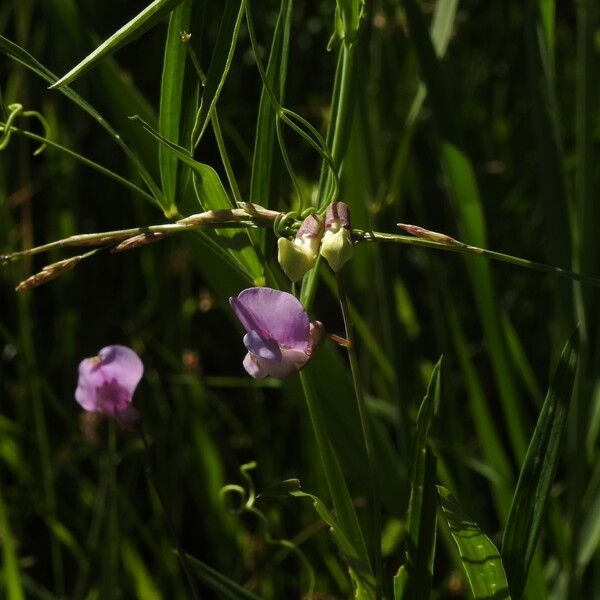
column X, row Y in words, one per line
column 366, row 430
column 180, row 552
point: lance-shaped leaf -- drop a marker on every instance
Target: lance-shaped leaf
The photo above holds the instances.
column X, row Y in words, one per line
column 171, row 95
column 531, row 496
column 413, row 580
column 220, row 63
column 143, row 21
column 212, row 196
column 20, row 55
column 481, row 560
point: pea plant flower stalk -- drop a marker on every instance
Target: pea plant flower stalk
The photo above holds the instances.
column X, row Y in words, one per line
column 106, row 385
column 280, row 337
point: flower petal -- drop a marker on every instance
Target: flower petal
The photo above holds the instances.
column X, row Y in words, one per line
column 107, row 381
column 254, row 366
column 123, row 364
column 274, row 315
column 260, row 347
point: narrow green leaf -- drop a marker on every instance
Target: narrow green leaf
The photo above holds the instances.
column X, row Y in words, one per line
column 529, row 502
column 171, row 95
column 215, row 200
column 358, row 570
column 212, row 196
column 134, row 565
column 261, row 186
column 348, row 524
column 413, row 580
column 219, row 583
column 143, row 21
column 220, row 63
column 481, row 560
column 21, row 56
column 464, row 193
column 10, row 565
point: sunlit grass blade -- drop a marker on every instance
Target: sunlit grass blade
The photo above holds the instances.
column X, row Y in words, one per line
column 23, row 57
column 464, row 192
column 414, row 578
column 85, row 161
column 441, row 31
column 12, row 584
column 212, row 196
column 359, row 571
column 537, row 474
column 487, row 431
column 222, row 56
column 143, row 21
column 481, row 560
column 261, row 183
column 134, row 565
column 331, row 380
column 217, row 582
column 171, row 97
column 340, row 496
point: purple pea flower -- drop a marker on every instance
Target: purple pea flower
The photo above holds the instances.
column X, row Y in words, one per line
column 107, row 382
column 280, row 338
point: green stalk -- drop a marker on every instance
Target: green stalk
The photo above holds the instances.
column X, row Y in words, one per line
column 366, row 431
column 86, row 161
column 587, row 261
column 340, row 496
column 181, row 555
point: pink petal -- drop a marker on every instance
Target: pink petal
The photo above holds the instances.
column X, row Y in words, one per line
column 107, row 381
column 275, row 315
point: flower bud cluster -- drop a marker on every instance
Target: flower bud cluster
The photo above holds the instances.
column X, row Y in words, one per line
column 332, row 239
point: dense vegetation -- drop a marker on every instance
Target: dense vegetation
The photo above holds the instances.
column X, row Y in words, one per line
column 475, row 119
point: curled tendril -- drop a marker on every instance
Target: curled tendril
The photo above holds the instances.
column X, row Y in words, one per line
column 247, row 497
column 282, row 221
column 16, row 110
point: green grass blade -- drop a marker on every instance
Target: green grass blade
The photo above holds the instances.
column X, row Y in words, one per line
column 441, row 31
column 18, row 54
column 553, row 181
column 413, row 580
column 217, row 582
column 134, row 565
column 215, row 197
column 464, row 192
column 529, row 502
column 261, row 182
column 10, row 566
column 340, row 496
column 483, row 420
column 220, row 64
column 480, row 559
column 171, row 96
column 143, row 21
column 212, row 196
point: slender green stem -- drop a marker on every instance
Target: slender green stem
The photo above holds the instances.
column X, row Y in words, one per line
column 340, row 496
column 180, row 552
column 214, row 119
column 375, row 236
column 366, row 430
column 86, row 161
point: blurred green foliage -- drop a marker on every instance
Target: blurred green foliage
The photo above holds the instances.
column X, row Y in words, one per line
column 477, row 119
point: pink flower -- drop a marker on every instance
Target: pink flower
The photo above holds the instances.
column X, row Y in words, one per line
column 280, row 338
column 107, row 382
